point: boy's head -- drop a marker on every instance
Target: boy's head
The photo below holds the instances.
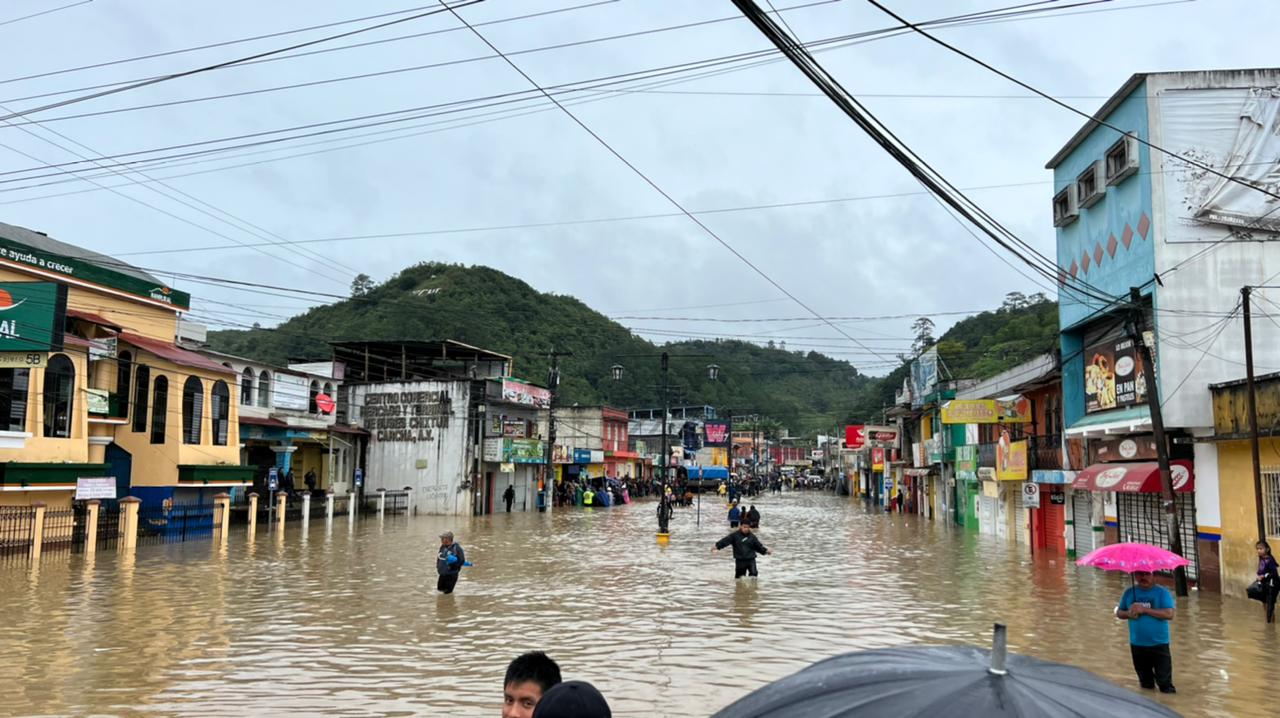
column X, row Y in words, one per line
column 528, row 677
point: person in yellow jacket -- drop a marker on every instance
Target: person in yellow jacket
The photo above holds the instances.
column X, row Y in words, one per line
column 587, row 497
column 723, row 489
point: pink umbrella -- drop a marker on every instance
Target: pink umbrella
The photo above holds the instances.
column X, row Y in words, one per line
column 1130, row 557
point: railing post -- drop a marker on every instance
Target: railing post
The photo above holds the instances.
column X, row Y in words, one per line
column 92, row 509
column 222, row 510
column 328, row 507
column 129, row 522
column 351, row 507
column 37, row 530
column 282, row 500
column 306, row 507
column 382, row 502
column 253, row 513
column 410, row 508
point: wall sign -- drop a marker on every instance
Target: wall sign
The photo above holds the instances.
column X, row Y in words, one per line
column 1113, row 376
column 97, row 487
column 32, row 315
column 987, row 411
column 406, row 415
column 1137, row 448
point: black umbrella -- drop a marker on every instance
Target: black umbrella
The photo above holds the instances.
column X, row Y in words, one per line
column 939, row 681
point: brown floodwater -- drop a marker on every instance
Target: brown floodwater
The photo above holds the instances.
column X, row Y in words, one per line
column 344, row 620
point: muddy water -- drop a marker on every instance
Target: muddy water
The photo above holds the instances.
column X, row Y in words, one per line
column 346, row 621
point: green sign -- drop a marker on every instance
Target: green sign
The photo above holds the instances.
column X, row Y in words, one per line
column 967, row 458
column 525, row 451
column 32, row 315
column 20, row 254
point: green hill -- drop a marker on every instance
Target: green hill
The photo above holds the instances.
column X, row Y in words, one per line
column 806, row 392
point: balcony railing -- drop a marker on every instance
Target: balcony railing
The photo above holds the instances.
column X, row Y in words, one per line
column 1045, row 452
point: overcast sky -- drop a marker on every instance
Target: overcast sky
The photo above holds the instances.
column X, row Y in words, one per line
column 740, row 139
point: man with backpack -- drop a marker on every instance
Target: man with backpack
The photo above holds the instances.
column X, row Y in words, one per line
column 449, row 562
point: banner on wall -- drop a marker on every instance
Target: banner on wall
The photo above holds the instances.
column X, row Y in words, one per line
column 1014, row 410
column 1114, row 377
column 1011, row 459
column 717, row 432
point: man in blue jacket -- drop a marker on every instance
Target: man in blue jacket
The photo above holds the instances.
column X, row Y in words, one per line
column 449, row 563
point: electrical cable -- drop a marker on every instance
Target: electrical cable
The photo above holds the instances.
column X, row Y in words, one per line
column 44, row 12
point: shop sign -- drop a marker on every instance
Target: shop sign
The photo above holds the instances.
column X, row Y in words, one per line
column 17, row 253
column 1138, row 448
column 560, row 454
column 967, row 458
column 1057, row 498
column 1016, row 410
column 882, row 436
column 515, row 428
column 1031, row 495
column 98, row 401
column 507, row 467
column 97, row 487
column 877, row 459
column 291, row 391
column 1011, row 459
column 103, row 348
column 32, row 315
column 991, row 489
column 494, row 450
column 1113, row 376
column 986, row 473
column 525, row 451
column 518, row 392
column 855, row 436
column 933, row 447
column 717, row 432
column 23, row 360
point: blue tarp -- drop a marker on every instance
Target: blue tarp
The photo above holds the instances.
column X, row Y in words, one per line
column 709, row 472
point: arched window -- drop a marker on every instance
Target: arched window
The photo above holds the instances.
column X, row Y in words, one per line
column 264, row 389
column 192, row 410
column 59, row 395
column 159, row 409
column 141, row 393
column 311, row 401
column 246, row 387
column 328, row 391
column 124, row 371
column 220, row 412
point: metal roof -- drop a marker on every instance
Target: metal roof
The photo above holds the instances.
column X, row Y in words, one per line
column 44, row 242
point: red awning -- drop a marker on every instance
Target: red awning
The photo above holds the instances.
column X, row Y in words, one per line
column 621, row 455
column 262, row 421
column 174, row 353
column 1135, row 478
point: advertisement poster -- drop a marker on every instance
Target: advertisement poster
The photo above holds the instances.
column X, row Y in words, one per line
column 717, row 432
column 518, row 392
column 877, row 459
column 855, row 436
column 1113, row 376
column 1011, row 459
column 924, row 375
column 967, row 459
column 987, row 411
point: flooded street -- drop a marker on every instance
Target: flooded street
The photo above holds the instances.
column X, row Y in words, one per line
column 346, row 621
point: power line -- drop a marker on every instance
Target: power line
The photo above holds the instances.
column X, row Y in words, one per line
column 45, row 12
column 226, row 63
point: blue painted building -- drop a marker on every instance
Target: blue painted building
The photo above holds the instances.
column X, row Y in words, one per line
column 1131, row 211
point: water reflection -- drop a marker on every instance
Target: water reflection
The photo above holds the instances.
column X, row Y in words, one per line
column 347, row 621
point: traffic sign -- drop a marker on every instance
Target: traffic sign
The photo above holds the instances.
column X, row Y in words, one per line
column 1031, row 495
column 359, row 478
column 273, row 479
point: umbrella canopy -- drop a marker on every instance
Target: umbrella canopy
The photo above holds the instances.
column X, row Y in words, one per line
column 1130, row 557
column 941, row 681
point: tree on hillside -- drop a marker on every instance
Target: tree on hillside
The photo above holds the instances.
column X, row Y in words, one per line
column 361, row 285
column 923, row 330
column 1014, row 301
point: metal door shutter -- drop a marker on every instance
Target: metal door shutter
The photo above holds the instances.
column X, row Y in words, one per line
column 1141, row 519
column 1081, row 503
column 1054, row 526
column 1021, row 517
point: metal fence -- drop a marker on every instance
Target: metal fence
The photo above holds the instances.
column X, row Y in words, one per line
column 59, row 529
column 17, row 526
column 397, row 502
column 1141, row 518
column 171, row 523
column 341, row 504
column 108, row 524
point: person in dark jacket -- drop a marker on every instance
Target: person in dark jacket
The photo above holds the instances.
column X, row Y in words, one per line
column 664, row 514
column 449, row 562
column 508, row 496
column 745, row 547
column 753, row 517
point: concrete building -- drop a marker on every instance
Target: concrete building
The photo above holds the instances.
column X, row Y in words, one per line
column 93, row 384
column 1129, row 215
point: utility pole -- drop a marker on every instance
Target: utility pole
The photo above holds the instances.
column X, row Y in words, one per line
column 666, row 409
column 548, row 469
column 1136, row 327
column 1253, row 412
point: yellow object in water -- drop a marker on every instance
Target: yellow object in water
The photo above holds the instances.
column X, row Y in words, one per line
column 664, row 538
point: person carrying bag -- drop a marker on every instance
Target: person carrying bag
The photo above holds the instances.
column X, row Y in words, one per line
column 1266, row 588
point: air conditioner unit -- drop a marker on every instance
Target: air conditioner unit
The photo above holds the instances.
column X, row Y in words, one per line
column 1090, row 188
column 1065, row 207
column 1122, row 159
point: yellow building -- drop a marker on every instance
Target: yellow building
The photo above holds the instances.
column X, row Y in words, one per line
column 93, row 385
column 1238, row 507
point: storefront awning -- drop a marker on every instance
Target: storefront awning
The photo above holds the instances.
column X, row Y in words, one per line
column 1135, row 478
column 1134, row 420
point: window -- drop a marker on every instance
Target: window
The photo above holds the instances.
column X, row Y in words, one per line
column 124, row 370
column 140, row 394
column 1065, row 209
column 1271, row 500
column 246, row 387
column 1089, row 187
column 264, row 389
column 311, row 400
column 1122, row 159
column 13, row 399
column 159, row 409
column 220, row 411
column 192, row 410
column 328, row 390
column 59, row 394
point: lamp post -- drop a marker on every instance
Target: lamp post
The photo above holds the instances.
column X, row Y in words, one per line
column 713, row 373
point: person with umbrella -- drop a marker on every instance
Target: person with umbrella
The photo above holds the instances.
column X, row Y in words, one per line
column 1149, row 608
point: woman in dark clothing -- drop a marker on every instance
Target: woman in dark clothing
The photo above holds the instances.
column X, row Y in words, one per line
column 1269, row 577
column 753, row 517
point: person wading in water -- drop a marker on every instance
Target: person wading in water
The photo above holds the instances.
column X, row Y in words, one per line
column 745, row 547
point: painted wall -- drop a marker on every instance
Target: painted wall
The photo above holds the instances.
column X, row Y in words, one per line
column 395, row 464
column 135, row 316
column 1199, row 115
column 1239, row 520
column 1085, row 247
column 41, row 449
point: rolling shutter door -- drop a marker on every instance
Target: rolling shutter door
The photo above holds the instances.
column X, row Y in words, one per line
column 1081, row 503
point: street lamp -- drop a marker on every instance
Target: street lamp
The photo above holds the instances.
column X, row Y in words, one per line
column 713, row 371
column 616, row 369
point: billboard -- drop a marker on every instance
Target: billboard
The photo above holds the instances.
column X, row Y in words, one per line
column 924, row 376
column 987, row 411
column 717, row 432
column 519, row 392
column 1114, row 377
column 290, row 391
column 1011, row 459
column 32, row 315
